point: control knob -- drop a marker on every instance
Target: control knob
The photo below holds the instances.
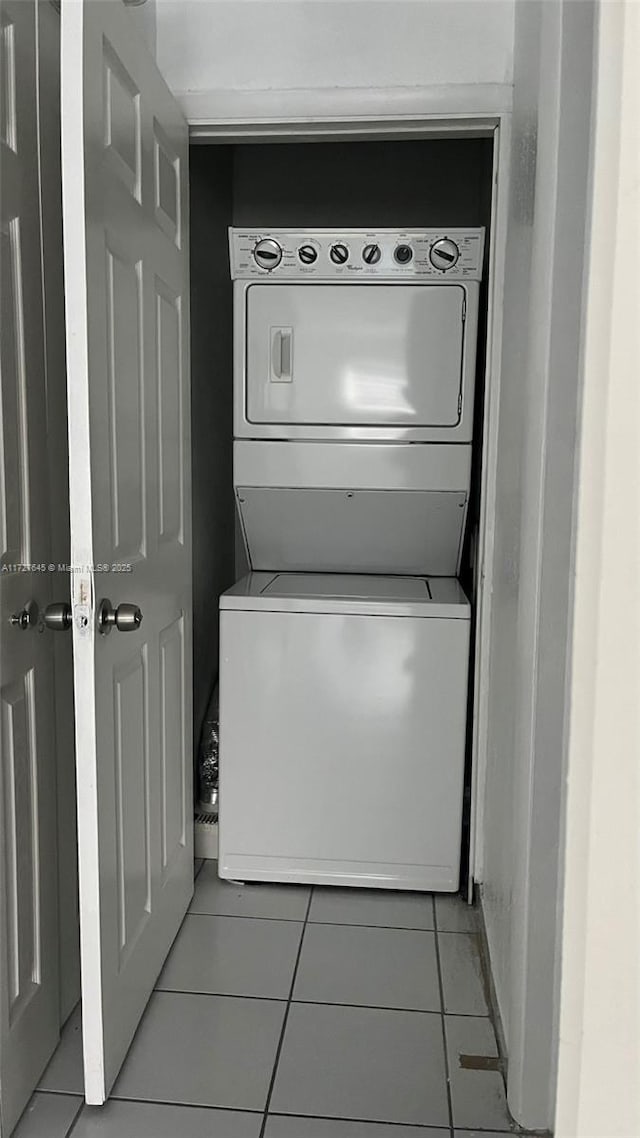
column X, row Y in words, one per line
column 403, row 254
column 444, row 254
column 267, row 253
column 308, row 254
column 339, row 254
column 371, row 254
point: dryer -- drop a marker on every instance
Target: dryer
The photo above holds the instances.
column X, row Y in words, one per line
column 354, row 378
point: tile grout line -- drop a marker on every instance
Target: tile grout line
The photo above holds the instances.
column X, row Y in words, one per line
column 285, row 1020
column 247, row 917
column 310, row 1003
column 330, row 924
column 444, row 1030
column 178, row 1104
column 408, row 1126
column 369, row 1122
column 55, row 1091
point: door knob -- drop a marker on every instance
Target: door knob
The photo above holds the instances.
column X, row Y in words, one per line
column 26, row 618
column 126, row 617
column 57, row 616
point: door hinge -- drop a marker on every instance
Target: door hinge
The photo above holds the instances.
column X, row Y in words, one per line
column 464, row 308
column 459, row 405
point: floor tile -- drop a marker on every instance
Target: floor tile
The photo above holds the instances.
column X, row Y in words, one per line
column 292, row 1127
column 462, row 981
column 362, row 1063
column 453, row 915
column 221, row 898
column 48, row 1116
column 374, row 967
column 477, row 1097
column 372, row 907
column 65, row 1071
column 203, row 1051
column 233, row 956
column 147, row 1120
column 486, row 1133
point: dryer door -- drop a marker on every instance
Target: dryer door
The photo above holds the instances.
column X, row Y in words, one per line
column 355, row 355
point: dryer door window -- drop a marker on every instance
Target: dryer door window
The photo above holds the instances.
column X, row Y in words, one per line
column 366, row 355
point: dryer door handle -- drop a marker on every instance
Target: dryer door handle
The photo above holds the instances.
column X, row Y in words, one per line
column 281, row 355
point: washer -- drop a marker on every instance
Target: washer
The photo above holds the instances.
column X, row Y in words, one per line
column 343, row 717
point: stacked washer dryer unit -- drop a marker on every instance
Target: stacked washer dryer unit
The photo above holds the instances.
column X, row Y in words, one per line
column 344, row 653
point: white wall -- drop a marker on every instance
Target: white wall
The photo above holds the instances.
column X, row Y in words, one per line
column 599, row 1063
column 302, row 44
column 535, row 504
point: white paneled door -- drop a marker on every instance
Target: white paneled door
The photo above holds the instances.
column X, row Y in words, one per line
column 125, row 186
column 29, row 1015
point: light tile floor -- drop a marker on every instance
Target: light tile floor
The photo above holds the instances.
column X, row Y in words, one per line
column 288, row 1012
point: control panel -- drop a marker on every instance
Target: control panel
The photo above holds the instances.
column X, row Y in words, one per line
column 331, row 254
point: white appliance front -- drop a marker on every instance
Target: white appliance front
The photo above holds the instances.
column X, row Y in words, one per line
column 343, row 712
column 366, row 531
column 366, row 361
column 337, row 506
column 354, row 355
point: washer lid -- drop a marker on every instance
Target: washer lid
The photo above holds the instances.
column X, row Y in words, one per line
column 348, row 593
column 342, row 586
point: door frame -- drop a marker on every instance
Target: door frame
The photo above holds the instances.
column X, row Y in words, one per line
column 599, row 1037
column 444, row 114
